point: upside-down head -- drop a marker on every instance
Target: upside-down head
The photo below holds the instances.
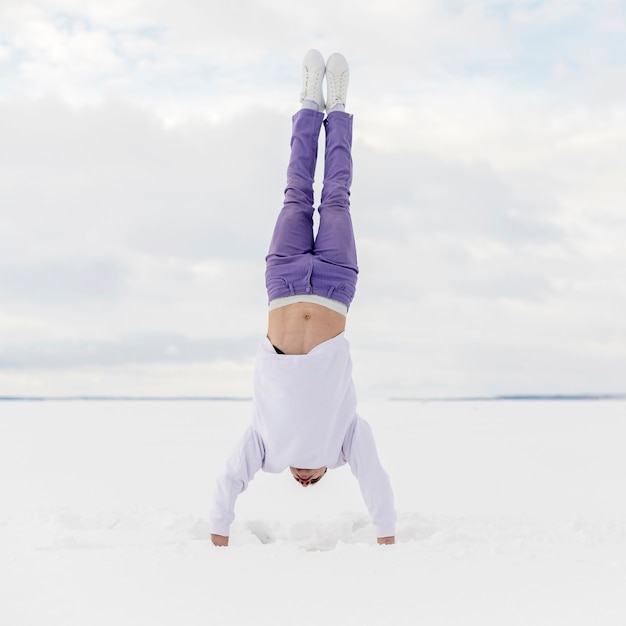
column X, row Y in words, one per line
column 308, row 477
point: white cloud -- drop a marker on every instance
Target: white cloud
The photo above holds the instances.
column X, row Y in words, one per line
column 222, row 378
column 143, row 159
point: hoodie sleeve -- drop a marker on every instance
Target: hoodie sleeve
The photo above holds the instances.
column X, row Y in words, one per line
column 360, row 452
column 244, row 462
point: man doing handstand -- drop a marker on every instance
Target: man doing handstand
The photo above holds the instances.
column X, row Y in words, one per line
column 304, row 403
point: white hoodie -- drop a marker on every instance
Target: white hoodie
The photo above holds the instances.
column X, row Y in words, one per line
column 304, row 415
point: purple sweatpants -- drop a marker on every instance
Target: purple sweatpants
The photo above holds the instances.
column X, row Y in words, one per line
column 296, row 263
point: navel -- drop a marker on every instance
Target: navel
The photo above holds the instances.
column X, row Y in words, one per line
column 307, row 316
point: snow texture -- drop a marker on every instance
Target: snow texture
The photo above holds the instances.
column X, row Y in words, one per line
column 509, row 513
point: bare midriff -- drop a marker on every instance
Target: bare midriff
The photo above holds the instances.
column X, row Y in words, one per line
column 297, row 328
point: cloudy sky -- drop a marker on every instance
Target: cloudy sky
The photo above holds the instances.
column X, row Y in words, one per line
column 143, row 148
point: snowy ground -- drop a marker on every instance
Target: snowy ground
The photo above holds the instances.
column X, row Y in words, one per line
column 510, row 513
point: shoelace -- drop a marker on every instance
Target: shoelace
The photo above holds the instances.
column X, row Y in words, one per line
column 311, row 79
column 335, row 88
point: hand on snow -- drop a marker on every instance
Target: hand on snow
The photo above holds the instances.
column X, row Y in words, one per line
column 219, row 540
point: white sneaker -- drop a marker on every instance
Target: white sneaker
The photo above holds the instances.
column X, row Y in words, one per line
column 313, row 68
column 337, row 79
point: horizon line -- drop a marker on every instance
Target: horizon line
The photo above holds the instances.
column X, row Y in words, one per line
column 509, row 397
column 494, row 398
